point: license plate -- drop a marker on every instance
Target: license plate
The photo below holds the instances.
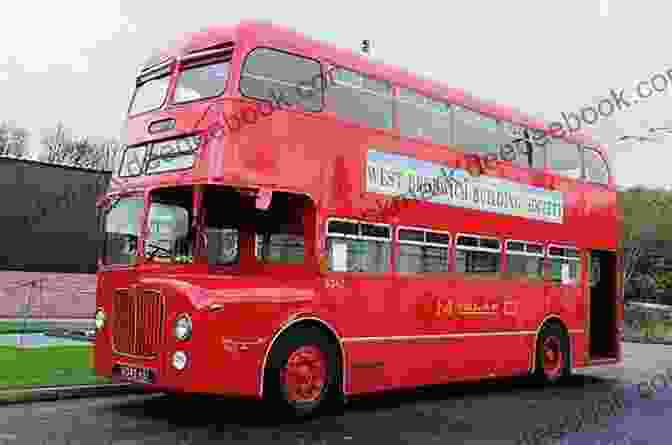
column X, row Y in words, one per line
column 138, row 375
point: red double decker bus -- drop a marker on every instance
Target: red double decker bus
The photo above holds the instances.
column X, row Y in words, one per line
column 301, row 223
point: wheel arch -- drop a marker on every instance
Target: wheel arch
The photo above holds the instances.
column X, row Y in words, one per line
column 297, row 323
column 547, row 321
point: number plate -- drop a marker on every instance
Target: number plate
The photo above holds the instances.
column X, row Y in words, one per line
column 138, row 375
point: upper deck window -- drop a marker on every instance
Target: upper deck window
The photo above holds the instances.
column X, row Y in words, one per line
column 565, row 158
column 521, row 146
column 422, row 116
column 595, row 165
column 202, row 81
column 284, row 78
column 150, row 91
column 160, row 157
column 133, row 161
column 476, row 132
column 360, row 98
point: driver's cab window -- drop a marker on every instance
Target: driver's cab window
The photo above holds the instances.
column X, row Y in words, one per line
column 170, row 236
column 231, row 220
column 280, row 248
column 223, row 212
column 280, row 230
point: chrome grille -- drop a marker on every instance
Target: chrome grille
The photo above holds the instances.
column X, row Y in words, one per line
column 138, row 316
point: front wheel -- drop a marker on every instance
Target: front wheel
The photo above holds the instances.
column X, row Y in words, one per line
column 552, row 360
column 304, row 373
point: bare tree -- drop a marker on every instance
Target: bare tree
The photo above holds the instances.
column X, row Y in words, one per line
column 60, row 147
column 13, row 140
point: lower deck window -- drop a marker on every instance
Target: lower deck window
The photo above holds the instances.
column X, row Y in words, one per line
column 565, row 265
column 422, row 251
column 476, row 254
column 477, row 262
column 526, row 259
column 357, row 255
column 422, row 259
column 358, row 247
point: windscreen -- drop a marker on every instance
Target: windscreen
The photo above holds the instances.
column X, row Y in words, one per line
column 170, row 238
column 150, row 91
column 122, row 231
column 202, row 81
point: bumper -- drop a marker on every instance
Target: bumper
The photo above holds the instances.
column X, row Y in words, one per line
column 234, row 368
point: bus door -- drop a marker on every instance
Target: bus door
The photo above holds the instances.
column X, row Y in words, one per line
column 602, row 300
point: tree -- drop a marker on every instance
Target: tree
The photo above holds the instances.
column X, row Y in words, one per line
column 60, row 147
column 647, row 218
column 13, row 140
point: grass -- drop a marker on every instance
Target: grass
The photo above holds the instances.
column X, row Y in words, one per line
column 658, row 328
column 47, row 366
column 20, row 327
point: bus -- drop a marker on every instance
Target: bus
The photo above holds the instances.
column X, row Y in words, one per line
column 299, row 223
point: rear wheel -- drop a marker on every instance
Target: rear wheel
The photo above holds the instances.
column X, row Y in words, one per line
column 552, row 360
column 304, row 374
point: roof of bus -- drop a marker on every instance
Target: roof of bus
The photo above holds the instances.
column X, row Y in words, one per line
column 259, row 33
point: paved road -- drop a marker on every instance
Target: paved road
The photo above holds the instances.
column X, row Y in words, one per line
column 493, row 412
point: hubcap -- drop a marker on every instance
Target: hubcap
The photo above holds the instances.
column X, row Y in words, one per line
column 305, row 374
column 553, row 359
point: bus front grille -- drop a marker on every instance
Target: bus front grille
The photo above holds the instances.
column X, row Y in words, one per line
column 138, row 316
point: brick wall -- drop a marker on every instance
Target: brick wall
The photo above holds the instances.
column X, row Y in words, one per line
column 57, row 296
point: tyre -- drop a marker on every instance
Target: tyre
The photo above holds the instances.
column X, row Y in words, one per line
column 303, row 376
column 552, row 358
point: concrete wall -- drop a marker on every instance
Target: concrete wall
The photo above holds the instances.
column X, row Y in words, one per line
column 48, row 218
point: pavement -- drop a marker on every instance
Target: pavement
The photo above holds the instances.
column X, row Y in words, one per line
column 51, row 393
column 486, row 412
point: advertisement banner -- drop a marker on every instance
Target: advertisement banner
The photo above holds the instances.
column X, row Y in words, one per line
column 397, row 175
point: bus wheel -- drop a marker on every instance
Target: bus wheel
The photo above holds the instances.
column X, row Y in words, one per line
column 552, row 361
column 303, row 375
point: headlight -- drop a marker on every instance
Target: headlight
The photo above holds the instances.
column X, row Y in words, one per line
column 179, row 360
column 100, row 319
column 183, row 327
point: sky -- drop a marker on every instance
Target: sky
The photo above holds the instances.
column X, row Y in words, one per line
column 74, row 61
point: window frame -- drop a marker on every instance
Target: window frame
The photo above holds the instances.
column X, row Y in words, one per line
column 525, row 252
column 498, row 251
column 478, row 248
column 424, row 231
column 392, row 97
column 359, row 223
column 578, row 259
column 122, row 162
column 400, row 99
column 148, row 75
column 448, row 247
column 602, row 158
column 549, row 161
column 526, row 138
column 293, row 107
column 455, row 136
column 225, row 57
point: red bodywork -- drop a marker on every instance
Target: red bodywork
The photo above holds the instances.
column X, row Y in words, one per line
column 390, row 326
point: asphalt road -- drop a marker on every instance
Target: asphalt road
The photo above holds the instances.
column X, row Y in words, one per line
column 475, row 413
